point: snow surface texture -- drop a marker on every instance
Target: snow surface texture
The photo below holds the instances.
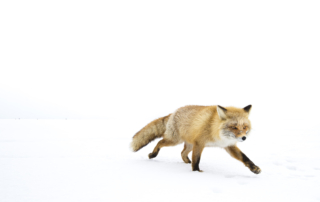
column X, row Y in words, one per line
column 80, row 160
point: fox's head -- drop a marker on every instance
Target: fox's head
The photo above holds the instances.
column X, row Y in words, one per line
column 235, row 122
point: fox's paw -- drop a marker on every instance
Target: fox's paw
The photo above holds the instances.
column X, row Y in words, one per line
column 186, row 160
column 197, row 169
column 255, row 169
column 152, row 155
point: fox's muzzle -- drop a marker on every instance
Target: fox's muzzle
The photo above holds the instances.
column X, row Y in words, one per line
column 241, row 139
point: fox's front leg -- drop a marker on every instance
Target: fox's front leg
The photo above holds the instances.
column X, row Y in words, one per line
column 236, row 153
column 196, row 155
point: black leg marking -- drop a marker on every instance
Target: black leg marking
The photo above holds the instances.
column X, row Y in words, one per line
column 154, row 154
column 195, row 165
column 196, row 155
column 246, row 160
column 255, row 169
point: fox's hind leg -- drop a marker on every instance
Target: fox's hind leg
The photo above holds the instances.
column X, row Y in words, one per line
column 162, row 143
column 186, row 150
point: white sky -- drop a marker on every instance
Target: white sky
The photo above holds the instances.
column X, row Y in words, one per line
column 104, row 59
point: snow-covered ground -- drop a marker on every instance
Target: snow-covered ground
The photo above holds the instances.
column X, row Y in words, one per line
column 90, row 160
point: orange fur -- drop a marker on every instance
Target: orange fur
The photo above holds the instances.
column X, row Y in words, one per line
column 199, row 127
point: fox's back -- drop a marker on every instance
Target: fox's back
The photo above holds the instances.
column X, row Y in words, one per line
column 187, row 119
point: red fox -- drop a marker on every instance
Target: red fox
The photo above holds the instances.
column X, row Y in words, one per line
column 199, row 127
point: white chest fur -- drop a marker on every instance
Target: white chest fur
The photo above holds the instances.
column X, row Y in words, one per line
column 223, row 142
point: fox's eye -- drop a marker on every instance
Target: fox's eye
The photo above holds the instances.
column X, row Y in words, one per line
column 233, row 127
column 245, row 127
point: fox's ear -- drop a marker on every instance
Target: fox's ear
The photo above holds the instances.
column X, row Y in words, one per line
column 247, row 108
column 222, row 112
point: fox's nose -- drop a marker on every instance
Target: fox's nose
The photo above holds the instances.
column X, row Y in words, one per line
column 244, row 138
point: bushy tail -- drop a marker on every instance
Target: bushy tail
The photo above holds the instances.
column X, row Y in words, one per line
column 153, row 130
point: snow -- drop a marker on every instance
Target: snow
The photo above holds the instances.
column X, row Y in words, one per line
column 135, row 61
column 90, row 160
